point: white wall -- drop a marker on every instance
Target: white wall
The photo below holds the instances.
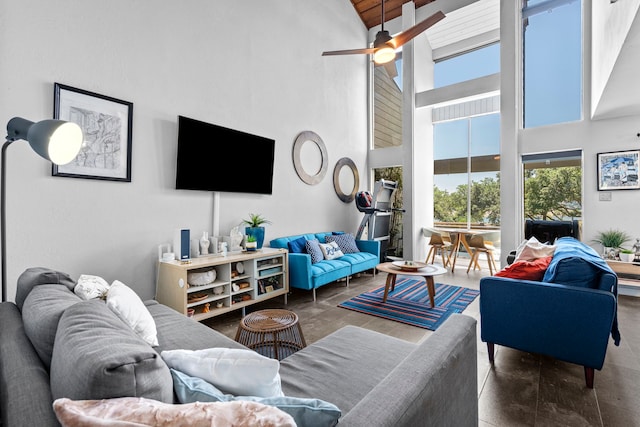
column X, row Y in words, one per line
column 611, row 23
column 254, row 66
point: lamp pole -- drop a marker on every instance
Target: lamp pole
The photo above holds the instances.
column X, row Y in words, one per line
column 3, row 228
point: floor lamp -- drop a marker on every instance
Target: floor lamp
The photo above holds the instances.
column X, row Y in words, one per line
column 55, row 140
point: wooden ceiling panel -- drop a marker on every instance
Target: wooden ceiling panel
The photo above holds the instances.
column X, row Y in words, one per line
column 371, row 13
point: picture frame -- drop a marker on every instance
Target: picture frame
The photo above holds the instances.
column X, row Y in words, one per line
column 618, row 170
column 106, row 125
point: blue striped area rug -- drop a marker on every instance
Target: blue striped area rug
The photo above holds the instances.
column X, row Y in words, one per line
column 409, row 303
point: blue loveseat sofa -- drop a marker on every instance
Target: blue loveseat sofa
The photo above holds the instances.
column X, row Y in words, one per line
column 303, row 274
column 569, row 315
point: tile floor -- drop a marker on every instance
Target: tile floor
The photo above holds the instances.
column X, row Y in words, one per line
column 521, row 389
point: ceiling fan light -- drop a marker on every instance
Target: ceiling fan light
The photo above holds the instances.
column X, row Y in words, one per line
column 384, row 54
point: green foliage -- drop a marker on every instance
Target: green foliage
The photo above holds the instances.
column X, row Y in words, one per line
column 553, row 193
column 485, row 203
column 251, row 238
column 612, row 238
column 255, row 220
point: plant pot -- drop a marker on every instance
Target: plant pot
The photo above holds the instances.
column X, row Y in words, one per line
column 258, row 233
column 626, row 257
column 251, row 246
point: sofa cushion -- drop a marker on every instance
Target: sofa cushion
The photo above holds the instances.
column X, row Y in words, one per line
column 298, row 246
column 330, row 251
column 532, row 249
column 89, row 287
column 35, row 276
column 236, row 371
column 576, row 264
column 128, row 306
column 526, row 270
column 283, row 242
column 576, row 271
column 313, row 249
column 305, row 412
column 25, row 396
column 176, row 331
column 41, row 313
column 342, row 367
column 360, row 261
column 134, row 411
column 346, row 242
column 97, row 356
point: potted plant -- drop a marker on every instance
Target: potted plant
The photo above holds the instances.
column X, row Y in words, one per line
column 626, row 255
column 251, row 244
column 254, row 227
column 611, row 240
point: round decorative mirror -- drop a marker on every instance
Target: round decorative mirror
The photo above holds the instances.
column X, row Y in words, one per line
column 300, row 141
column 338, row 180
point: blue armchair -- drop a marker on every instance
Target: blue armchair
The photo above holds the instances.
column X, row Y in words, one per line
column 569, row 315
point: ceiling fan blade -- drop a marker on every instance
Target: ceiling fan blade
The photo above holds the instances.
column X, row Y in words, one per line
column 390, row 68
column 409, row 34
column 348, row 51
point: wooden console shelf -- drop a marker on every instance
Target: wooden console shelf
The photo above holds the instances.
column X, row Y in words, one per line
column 242, row 279
column 628, row 273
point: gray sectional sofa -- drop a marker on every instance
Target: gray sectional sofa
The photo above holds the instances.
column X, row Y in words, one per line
column 374, row 379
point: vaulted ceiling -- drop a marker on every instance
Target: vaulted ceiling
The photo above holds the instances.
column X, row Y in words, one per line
column 620, row 97
column 370, row 11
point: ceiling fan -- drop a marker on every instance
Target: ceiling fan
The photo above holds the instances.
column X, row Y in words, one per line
column 384, row 46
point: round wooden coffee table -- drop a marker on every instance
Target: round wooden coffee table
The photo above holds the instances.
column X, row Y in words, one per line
column 420, row 269
column 274, row 333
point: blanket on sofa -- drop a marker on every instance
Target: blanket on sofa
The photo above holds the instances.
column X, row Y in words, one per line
column 570, row 251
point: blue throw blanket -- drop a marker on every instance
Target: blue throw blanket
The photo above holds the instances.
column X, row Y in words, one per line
column 577, row 264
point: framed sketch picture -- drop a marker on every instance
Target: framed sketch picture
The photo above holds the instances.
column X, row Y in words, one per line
column 618, row 170
column 106, row 125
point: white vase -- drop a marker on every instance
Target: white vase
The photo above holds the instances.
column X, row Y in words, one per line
column 204, row 243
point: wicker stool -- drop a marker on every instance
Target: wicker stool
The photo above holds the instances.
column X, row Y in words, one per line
column 273, row 333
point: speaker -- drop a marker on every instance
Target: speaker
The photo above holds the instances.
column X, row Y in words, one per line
column 182, row 244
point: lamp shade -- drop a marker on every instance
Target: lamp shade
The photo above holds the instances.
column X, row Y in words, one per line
column 384, row 54
column 55, row 140
column 385, row 51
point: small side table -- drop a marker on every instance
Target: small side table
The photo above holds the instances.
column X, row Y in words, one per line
column 274, row 333
column 427, row 271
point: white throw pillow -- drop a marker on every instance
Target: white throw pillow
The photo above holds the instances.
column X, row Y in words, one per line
column 331, row 250
column 532, row 249
column 90, row 287
column 128, row 306
column 236, row 371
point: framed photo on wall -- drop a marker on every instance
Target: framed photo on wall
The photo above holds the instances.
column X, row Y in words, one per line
column 106, row 125
column 618, row 170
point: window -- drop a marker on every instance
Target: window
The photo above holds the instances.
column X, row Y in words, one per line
column 552, row 56
column 553, row 186
column 485, row 60
column 467, row 165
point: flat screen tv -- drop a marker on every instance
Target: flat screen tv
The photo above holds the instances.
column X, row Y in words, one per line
column 216, row 158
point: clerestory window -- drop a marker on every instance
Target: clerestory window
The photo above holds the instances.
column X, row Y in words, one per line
column 552, row 62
